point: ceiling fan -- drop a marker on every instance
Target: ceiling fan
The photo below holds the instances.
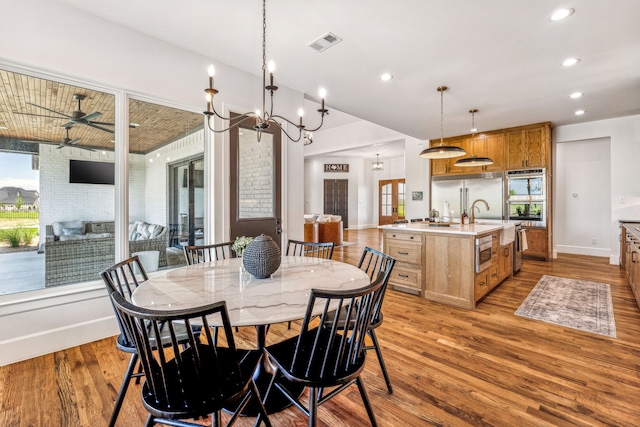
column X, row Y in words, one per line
column 78, row 117
column 65, row 142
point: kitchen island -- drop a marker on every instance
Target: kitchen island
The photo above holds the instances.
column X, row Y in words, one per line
column 439, row 262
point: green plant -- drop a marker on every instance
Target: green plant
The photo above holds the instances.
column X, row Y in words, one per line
column 28, row 235
column 240, row 244
column 18, row 236
column 13, row 236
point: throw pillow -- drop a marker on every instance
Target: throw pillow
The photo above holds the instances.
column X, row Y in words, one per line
column 58, row 227
column 72, row 231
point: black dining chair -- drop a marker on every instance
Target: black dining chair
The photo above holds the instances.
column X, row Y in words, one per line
column 331, row 354
column 123, row 278
column 377, row 264
column 205, row 253
column 310, row 249
column 192, row 381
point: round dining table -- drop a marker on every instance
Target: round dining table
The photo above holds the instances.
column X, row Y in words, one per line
column 283, row 297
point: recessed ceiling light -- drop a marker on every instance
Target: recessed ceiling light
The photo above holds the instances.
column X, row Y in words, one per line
column 576, row 95
column 561, row 14
column 579, row 112
column 386, row 77
column 570, row 61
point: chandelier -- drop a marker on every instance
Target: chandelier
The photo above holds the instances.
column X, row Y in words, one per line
column 377, row 165
column 442, row 151
column 474, row 160
column 264, row 118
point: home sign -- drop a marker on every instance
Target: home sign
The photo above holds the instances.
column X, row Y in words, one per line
column 334, row 167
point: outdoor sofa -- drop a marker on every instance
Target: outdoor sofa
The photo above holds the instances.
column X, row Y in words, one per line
column 77, row 251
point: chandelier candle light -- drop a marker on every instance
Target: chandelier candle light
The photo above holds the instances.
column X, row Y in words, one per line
column 442, row 151
column 264, row 118
column 474, row 160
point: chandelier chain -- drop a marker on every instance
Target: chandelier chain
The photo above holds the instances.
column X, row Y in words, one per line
column 264, row 35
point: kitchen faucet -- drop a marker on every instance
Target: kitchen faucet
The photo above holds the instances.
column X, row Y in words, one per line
column 472, row 218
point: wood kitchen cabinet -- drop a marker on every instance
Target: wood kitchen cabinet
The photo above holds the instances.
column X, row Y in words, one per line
column 505, row 261
column 528, row 148
column 536, row 242
column 489, row 145
column 630, row 257
column 407, row 249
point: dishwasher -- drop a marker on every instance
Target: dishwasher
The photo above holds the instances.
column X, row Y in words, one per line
column 517, row 250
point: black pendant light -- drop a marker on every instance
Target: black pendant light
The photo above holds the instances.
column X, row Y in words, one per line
column 474, row 160
column 442, row 151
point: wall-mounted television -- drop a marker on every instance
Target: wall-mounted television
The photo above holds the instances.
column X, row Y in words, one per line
column 87, row 172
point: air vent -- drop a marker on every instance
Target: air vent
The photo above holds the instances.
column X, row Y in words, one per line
column 325, row 42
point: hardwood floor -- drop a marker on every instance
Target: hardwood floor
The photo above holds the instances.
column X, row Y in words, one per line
column 448, row 366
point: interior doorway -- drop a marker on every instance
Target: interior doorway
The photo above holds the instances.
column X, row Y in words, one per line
column 336, row 199
column 391, row 201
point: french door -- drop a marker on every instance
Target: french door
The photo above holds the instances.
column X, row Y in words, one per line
column 391, row 201
column 255, row 183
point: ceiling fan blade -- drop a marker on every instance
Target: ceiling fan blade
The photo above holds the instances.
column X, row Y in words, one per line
column 102, row 123
column 98, row 127
column 66, row 144
column 40, row 115
column 90, row 117
column 48, row 109
column 73, row 141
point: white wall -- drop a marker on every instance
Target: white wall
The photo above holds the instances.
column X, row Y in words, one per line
column 124, row 61
column 624, row 136
column 582, row 202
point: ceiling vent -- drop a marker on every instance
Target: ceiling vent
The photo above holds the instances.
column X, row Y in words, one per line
column 325, row 42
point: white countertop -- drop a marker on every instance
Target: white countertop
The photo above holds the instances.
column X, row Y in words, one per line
column 472, row 229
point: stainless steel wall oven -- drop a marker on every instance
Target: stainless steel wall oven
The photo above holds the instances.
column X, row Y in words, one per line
column 526, row 199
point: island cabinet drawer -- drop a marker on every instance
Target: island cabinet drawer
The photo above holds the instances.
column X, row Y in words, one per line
column 404, row 236
column 405, row 252
column 406, row 276
column 482, row 284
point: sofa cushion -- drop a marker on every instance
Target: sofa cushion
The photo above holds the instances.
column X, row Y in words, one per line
column 88, row 236
column 58, row 227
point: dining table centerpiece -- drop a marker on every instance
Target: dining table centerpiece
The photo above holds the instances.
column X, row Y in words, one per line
column 262, row 257
column 240, row 244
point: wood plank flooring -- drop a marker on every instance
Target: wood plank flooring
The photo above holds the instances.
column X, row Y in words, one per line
column 448, row 366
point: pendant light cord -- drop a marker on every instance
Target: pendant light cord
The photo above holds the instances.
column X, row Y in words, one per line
column 442, row 116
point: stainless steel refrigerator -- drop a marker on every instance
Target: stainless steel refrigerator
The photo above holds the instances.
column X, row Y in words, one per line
column 461, row 192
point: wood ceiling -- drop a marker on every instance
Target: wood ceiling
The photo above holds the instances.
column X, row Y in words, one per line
column 158, row 125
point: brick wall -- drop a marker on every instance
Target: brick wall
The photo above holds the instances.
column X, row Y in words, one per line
column 255, row 180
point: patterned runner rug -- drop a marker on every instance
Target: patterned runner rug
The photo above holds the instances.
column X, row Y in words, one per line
column 571, row 303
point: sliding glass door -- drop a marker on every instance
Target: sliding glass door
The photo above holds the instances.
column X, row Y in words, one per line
column 186, row 210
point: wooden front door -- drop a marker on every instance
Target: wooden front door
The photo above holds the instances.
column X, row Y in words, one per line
column 255, row 182
column 391, row 201
column 336, row 199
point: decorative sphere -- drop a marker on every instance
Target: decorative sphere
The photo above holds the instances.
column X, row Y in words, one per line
column 261, row 257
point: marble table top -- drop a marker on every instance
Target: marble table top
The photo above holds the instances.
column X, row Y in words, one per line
column 250, row 301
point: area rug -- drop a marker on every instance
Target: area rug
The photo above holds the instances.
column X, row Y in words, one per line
column 345, row 244
column 571, row 303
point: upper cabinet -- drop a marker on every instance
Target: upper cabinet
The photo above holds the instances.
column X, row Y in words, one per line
column 514, row 148
column 528, row 148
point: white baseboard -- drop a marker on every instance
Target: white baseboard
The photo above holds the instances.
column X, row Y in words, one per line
column 583, row 250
